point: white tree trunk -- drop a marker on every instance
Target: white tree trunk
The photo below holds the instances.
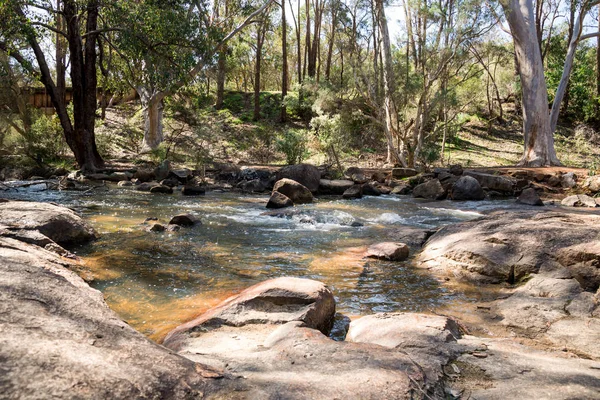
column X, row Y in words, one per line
column 152, row 104
column 567, row 68
column 539, row 141
column 391, row 114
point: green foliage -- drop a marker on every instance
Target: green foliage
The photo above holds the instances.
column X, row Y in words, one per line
column 158, row 43
column 234, row 102
column 299, row 102
column 159, row 154
column 582, row 98
column 293, row 143
column 44, row 142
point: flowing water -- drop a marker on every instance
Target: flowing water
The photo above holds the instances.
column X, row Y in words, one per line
column 156, row 281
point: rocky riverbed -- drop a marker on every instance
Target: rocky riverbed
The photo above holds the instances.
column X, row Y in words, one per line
column 533, row 334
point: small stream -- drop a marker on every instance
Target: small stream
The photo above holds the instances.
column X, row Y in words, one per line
column 156, row 281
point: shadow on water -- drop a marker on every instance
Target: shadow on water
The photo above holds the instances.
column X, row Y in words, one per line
column 156, row 281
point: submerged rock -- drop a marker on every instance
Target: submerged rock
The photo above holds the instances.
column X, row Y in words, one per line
column 185, row 220
column 279, row 200
column 161, row 189
column 193, row 190
column 388, row 251
column 157, row 228
column 146, row 186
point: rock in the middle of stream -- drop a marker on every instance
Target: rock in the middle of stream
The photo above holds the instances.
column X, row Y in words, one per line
column 271, row 334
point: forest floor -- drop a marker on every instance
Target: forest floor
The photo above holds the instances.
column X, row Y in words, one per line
column 230, row 135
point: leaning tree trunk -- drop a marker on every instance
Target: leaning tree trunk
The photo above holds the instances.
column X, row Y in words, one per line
column 152, row 104
column 539, row 141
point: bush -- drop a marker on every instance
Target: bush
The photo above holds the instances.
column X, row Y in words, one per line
column 293, row 143
column 44, row 142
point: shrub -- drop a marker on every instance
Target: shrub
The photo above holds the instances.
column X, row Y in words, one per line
column 293, row 143
column 44, row 142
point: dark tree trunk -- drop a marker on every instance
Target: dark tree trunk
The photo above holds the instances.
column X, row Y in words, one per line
column 331, row 42
column 221, row 65
column 60, row 55
column 79, row 133
column 82, row 139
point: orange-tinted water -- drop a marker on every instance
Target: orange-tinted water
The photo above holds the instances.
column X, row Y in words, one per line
column 156, row 281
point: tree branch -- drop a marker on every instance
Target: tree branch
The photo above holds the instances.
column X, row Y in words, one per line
column 51, row 28
column 589, row 36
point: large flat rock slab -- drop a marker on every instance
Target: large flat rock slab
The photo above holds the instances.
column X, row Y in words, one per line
column 292, row 361
column 508, row 246
column 58, row 223
column 501, row 369
column 59, row 339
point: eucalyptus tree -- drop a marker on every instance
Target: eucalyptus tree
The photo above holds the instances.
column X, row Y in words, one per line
column 157, row 46
column 31, row 22
column 439, row 34
column 178, row 59
column 539, row 124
